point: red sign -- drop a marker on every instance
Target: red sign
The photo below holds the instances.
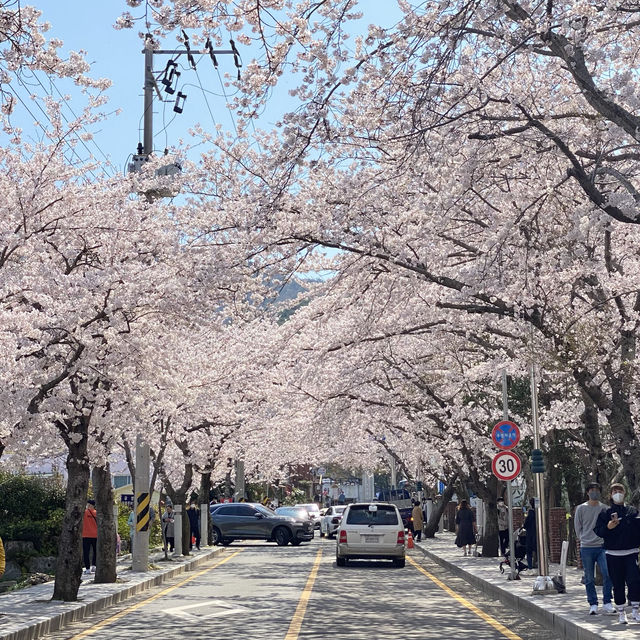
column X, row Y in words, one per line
column 506, row 465
column 505, row 435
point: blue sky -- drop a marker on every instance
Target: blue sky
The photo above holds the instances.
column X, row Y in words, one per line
column 88, row 25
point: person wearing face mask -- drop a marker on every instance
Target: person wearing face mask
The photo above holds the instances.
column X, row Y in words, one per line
column 618, row 527
column 592, row 550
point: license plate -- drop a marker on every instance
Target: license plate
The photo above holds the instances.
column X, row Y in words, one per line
column 374, row 539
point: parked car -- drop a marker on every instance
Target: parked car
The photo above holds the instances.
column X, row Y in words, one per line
column 371, row 531
column 331, row 519
column 314, row 511
column 251, row 520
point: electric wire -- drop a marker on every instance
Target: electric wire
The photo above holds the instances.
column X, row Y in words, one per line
column 68, row 106
column 37, row 121
column 204, row 95
column 226, row 99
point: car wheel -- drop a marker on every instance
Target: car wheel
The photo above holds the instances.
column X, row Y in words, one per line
column 281, row 536
column 295, row 542
column 398, row 562
column 227, row 541
column 216, row 536
column 341, row 562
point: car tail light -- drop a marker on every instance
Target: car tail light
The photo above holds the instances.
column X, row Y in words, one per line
column 343, row 537
column 400, row 538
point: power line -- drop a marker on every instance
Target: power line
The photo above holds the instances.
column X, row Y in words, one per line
column 45, row 131
column 73, row 132
column 68, row 106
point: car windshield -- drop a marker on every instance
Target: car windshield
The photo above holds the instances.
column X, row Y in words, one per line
column 311, row 508
column 265, row 510
column 360, row 514
column 294, row 512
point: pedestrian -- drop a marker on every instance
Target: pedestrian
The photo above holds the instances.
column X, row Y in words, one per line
column 592, row 550
column 167, row 527
column 417, row 520
column 465, row 527
column 90, row 536
column 2, row 560
column 194, row 525
column 131, row 521
column 618, row 526
column 531, row 539
column 503, row 525
column 342, row 498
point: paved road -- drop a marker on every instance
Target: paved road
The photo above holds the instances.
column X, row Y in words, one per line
column 258, row 591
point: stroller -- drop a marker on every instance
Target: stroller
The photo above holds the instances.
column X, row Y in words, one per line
column 519, row 552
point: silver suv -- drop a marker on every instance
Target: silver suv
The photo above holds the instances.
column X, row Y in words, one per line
column 371, row 531
column 250, row 520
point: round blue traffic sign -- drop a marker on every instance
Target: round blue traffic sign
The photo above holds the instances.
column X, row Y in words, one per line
column 505, row 435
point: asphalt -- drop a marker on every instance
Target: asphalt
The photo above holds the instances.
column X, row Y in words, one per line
column 30, row 613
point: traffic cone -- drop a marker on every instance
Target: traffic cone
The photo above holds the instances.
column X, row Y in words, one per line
column 410, row 540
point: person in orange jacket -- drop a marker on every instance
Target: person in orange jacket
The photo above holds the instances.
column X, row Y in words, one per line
column 90, row 536
column 2, row 561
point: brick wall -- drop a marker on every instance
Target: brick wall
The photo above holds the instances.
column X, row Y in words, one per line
column 557, row 526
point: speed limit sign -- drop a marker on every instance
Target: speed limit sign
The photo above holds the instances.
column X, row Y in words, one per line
column 506, row 465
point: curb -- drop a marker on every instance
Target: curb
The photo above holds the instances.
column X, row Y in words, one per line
column 76, row 611
column 564, row 627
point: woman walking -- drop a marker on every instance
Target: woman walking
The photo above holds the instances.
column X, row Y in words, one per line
column 465, row 527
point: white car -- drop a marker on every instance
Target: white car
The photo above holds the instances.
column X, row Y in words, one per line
column 330, row 521
column 314, row 512
column 372, row 532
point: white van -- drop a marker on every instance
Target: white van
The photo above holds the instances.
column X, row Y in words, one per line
column 371, row 531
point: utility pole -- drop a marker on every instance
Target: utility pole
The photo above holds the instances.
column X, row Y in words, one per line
column 142, row 507
column 149, row 85
column 505, row 416
column 169, row 82
column 543, row 583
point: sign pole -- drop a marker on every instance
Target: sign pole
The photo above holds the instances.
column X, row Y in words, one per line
column 512, row 551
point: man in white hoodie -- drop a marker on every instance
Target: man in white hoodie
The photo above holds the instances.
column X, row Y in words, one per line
column 592, row 549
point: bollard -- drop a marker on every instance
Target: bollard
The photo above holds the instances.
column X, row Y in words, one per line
column 204, row 525
column 177, row 530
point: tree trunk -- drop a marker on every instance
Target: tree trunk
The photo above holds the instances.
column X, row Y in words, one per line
column 69, row 562
column 103, row 493
column 438, row 509
column 490, row 540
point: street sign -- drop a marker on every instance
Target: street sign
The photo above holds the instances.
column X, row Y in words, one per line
column 505, row 435
column 506, row 465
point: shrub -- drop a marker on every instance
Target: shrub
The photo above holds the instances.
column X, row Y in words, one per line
column 31, row 509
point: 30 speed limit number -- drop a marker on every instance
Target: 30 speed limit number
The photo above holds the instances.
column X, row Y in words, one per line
column 506, row 465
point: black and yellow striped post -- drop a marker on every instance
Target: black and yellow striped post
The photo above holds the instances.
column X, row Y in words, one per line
column 143, row 507
column 142, row 512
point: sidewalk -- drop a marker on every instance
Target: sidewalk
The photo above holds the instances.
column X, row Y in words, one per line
column 30, row 613
column 567, row 614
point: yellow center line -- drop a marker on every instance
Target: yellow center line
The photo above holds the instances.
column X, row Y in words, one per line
column 164, row 592
column 298, row 616
column 465, row 603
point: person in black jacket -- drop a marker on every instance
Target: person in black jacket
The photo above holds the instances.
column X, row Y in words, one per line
column 619, row 527
column 530, row 526
column 194, row 525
